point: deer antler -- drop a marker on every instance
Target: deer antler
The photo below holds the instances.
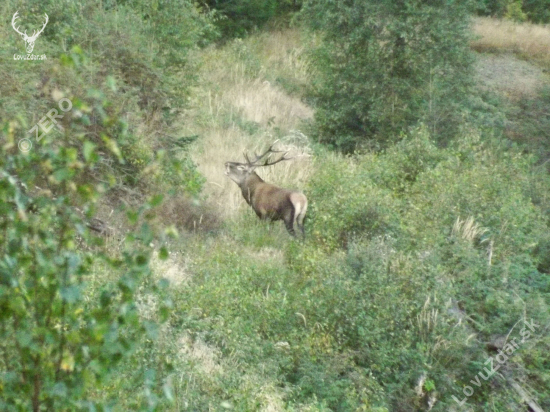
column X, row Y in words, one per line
column 266, row 153
column 268, row 163
column 15, row 17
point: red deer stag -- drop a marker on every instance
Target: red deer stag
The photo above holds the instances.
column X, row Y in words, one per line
column 268, row 201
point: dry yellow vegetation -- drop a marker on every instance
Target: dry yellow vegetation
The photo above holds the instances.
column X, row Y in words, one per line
column 237, row 108
column 527, row 39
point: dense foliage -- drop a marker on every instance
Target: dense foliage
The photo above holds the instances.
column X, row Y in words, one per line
column 419, row 262
column 130, row 68
column 237, row 18
column 61, row 334
column 75, row 135
column 384, row 66
column 537, row 11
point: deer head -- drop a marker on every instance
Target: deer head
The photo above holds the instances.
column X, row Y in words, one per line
column 29, row 40
column 239, row 172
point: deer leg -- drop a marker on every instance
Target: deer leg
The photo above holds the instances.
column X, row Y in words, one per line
column 300, row 223
column 289, row 223
column 290, row 227
column 302, row 229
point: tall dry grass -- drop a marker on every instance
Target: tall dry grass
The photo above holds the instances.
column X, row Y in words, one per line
column 238, row 108
column 532, row 41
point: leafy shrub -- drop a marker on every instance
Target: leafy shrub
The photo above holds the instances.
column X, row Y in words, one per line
column 73, row 316
column 346, row 204
column 60, row 340
column 382, row 67
column 142, row 99
column 538, row 11
column 495, row 8
column 242, row 16
column 178, row 27
column 514, row 12
column 427, row 256
column 357, row 197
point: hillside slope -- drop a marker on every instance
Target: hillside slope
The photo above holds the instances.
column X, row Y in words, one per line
column 418, row 262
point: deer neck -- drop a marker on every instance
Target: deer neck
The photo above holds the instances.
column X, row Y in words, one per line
column 248, row 187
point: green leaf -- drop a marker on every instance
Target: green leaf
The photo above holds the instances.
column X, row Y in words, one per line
column 156, row 200
column 88, row 151
column 62, row 174
column 429, row 385
column 112, row 146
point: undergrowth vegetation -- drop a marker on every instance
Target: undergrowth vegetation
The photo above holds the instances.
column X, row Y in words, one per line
column 133, row 276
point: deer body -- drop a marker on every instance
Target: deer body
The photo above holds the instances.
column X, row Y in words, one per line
column 269, row 201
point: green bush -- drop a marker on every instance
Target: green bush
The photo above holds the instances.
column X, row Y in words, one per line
column 514, row 12
column 72, row 319
column 382, row 67
column 538, row 11
column 430, row 258
column 346, row 204
column 60, row 338
column 237, row 18
column 107, row 57
column 495, row 8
